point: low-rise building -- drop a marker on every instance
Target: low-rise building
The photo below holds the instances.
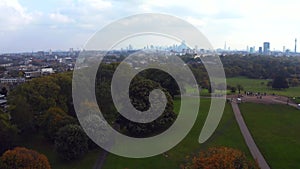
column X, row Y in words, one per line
column 12, row 80
column 32, row 74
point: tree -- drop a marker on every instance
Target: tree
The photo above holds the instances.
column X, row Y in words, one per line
column 71, row 142
column 21, row 114
column 45, row 92
column 139, row 92
column 164, row 79
column 54, row 119
column 3, row 91
column 239, row 88
column 8, row 133
column 22, row 158
column 280, row 82
column 220, row 158
column 233, row 89
column 295, row 82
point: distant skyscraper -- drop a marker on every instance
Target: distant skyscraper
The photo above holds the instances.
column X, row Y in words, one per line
column 260, row 50
column 266, row 48
column 295, row 45
column 252, row 49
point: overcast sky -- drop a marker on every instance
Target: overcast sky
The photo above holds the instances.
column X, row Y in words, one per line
column 32, row 25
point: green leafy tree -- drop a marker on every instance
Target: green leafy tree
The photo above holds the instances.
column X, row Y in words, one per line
column 71, row 142
column 239, row 88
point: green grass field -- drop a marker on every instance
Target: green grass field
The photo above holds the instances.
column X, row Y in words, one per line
column 260, row 85
column 227, row 134
column 275, row 129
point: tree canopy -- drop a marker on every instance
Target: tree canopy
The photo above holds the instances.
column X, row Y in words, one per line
column 71, row 142
column 220, row 158
column 23, row 158
column 8, row 133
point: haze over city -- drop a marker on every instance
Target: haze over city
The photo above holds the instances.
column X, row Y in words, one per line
column 28, row 25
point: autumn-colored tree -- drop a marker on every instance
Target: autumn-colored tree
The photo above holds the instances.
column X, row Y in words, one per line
column 220, row 158
column 23, row 158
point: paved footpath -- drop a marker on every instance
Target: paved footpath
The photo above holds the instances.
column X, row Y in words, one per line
column 248, row 138
column 101, row 159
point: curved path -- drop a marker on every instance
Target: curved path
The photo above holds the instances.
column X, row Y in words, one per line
column 248, row 138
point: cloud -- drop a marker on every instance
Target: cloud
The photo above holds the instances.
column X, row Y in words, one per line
column 57, row 17
column 13, row 15
column 97, row 4
column 196, row 22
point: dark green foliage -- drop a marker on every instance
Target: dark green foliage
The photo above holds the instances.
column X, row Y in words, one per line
column 139, row 95
column 8, row 133
column 45, row 92
column 71, row 142
column 233, row 89
column 164, row 79
column 239, row 88
column 22, row 114
column 3, row 91
column 54, row 119
column 280, row 82
column 103, row 91
column 29, row 101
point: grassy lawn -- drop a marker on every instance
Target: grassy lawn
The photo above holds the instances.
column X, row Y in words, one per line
column 227, row 134
column 260, row 85
column 275, row 129
column 40, row 144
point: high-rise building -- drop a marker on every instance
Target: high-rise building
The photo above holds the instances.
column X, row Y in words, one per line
column 252, row 49
column 260, row 50
column 266, row 48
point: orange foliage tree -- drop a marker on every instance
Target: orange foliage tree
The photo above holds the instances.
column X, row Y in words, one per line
column 220, row 158
column 23, row 158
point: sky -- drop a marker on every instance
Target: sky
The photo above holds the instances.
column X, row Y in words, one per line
column 33, row 25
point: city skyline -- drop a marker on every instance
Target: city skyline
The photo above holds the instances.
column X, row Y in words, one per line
column 59, row 25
